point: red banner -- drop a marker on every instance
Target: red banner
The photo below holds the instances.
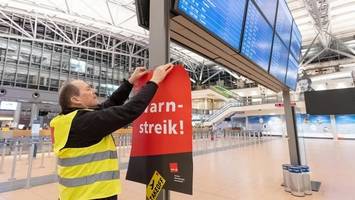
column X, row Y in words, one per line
column 162, row 135
column 165, row 127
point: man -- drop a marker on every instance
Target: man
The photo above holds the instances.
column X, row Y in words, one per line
column 81, row 134
column 305, row 85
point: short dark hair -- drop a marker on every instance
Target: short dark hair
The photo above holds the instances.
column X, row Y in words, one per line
column 66, row 92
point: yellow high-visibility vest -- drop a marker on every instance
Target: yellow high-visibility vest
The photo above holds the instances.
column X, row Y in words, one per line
column 88, row 172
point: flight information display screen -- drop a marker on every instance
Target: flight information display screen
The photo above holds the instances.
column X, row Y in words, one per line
column 223, row 19
column 284, row 23
column 249, row 26
column 257, row 38
column 296, row 42
column 269, row 9
column 292, row 70
column 279, row 58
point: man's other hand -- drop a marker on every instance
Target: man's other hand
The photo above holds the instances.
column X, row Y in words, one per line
column 161, row 72
column 138, row 72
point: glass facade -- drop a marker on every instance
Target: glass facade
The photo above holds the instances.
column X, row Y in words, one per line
column 45, row 62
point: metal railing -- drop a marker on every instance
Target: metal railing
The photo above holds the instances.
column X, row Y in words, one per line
column 29, row 161
column 222, row 110
column 244, row 102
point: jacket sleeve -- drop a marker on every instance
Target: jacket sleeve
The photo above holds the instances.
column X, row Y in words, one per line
column 93, row 125
column 119, row 96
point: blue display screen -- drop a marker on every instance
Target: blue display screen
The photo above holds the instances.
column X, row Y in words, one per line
column 345, row 119
column 268, row 7
column 284, row 23
column 296, row 42
column 279, row 58
column 223, row 19
column 257, row 38
column 292, row 73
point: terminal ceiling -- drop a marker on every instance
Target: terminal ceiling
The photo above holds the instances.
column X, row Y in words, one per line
column 327, row 26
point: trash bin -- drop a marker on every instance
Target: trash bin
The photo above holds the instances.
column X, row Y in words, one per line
column 296, row 181
column 306, row 180
column 286, row 177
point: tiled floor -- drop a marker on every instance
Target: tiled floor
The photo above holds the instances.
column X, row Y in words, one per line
column 248, row 172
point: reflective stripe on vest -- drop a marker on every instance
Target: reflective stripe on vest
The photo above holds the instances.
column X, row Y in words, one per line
column 67, row 162
column 86, row 180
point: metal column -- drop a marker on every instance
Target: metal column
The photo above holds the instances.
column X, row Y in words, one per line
column 159, row 43
column 291, row 130
column 17, row 115
column 334, row 127
column 159, row 39
column 34, row 113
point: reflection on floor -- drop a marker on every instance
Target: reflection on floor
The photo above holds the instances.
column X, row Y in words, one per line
column 250, row 171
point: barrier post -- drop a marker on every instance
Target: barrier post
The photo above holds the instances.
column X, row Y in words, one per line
column 29, row 169
column 13, row 168
column 42, row 153
column 3, row 157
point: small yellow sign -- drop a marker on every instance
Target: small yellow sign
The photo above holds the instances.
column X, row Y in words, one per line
column 155, row 186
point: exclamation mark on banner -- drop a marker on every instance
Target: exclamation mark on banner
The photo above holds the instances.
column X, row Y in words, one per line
column 181, row 127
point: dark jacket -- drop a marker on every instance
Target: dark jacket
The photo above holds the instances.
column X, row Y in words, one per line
column 89, row 127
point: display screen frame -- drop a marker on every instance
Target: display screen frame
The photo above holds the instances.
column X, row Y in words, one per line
column 176, row 8
column 288, row 67
column 271, row 42
column 287, row 60
column 298, row 56
column 273, row 24
column 277, row 15
column 273, row 28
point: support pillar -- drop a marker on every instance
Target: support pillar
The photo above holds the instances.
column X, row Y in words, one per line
column 334, row 127
column 284, row 131
column 17, row 115
column 291, row 130
column 34, row 113
column 159, row 43
column 246, row 123
column 205, row 104
column 159, row 38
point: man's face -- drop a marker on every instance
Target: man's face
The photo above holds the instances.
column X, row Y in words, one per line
column 87, row 97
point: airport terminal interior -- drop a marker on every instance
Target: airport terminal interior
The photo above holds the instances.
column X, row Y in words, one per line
column 272, row 83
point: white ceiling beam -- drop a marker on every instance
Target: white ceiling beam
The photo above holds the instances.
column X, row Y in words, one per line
column 342, row 53
column 74, row 19
column 137, row 52
column 201, row 72
column 213, row 75
column 319, row 12
column 118, row 44
column 66, row 44
column 31, row 24
column 110, row 13
column 77, row 35
column 14, row 24
column 330, row 64
column 309, row 48
column 50, row 28
column 60, row 30
column 314, row 57
column 69, row 18
column 67, row 6
column 87, row 39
